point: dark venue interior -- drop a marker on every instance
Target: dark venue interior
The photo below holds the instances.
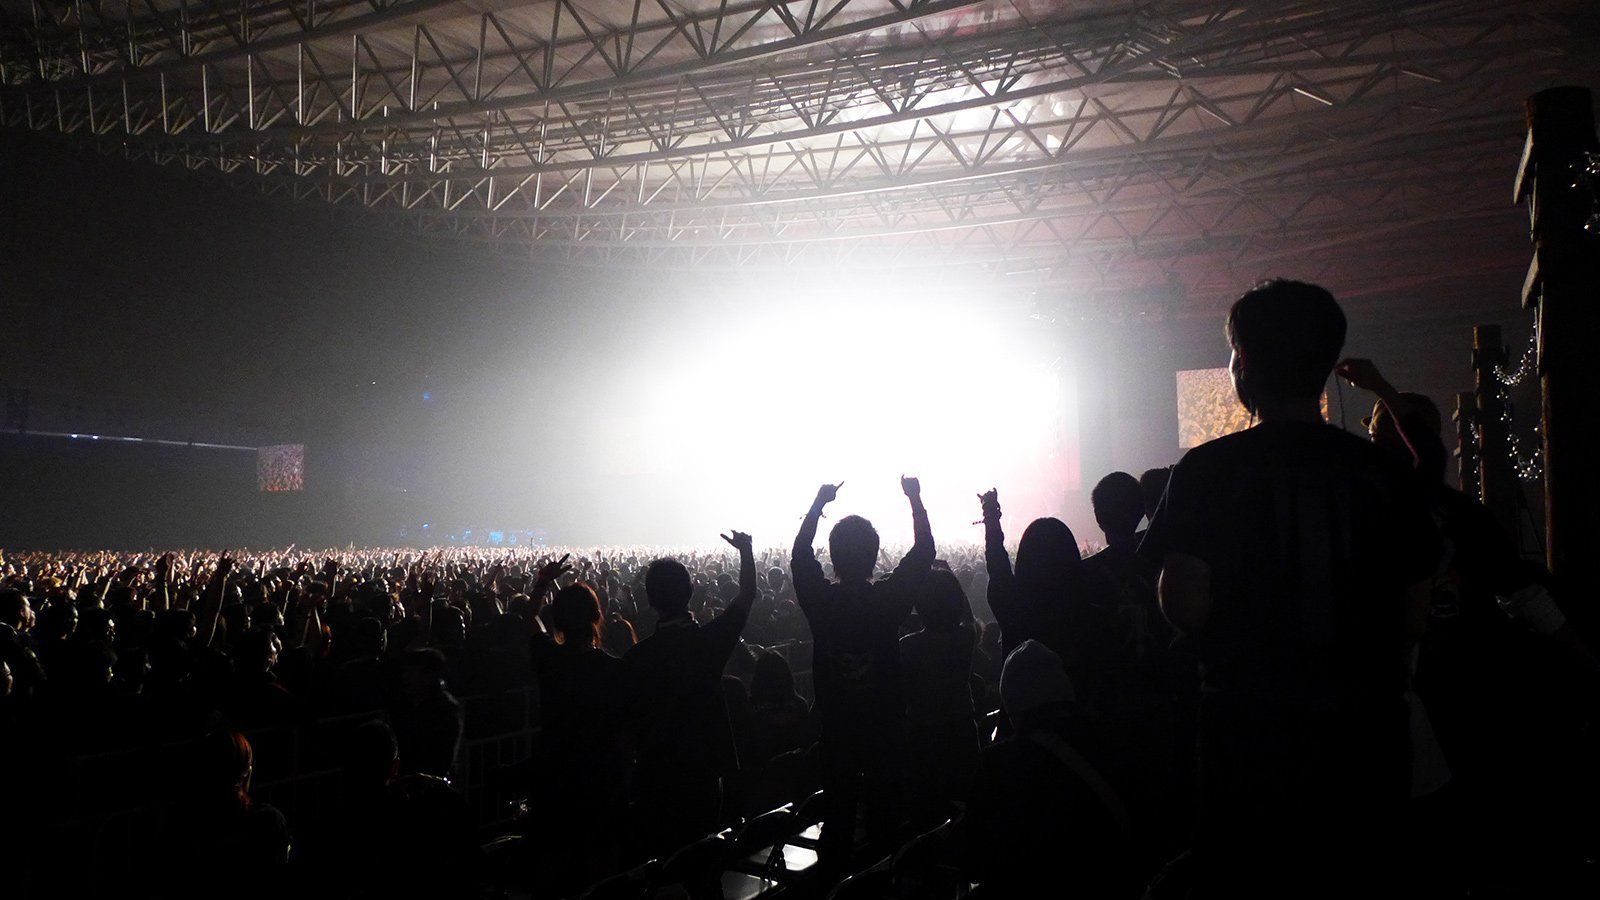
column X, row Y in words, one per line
column 799, row 449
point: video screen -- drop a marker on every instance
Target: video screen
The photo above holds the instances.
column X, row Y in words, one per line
column 1208, row 408
column 281, row 467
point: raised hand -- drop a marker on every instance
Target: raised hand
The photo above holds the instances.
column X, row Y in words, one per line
column 990, row 502
column 827, row 494
column 1362, row 373
column 911, row 486
column 740, row 541
column 554, row 569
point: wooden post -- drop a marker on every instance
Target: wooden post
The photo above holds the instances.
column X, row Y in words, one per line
column 1497, row 477
column 1467, row 444
column 1563, row 285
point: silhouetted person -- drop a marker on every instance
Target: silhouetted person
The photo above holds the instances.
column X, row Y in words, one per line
column 359, row 683
column 258, row 700
column 1494, row 693
column 16, row 646
column 1298, row 557
column 936, row 668
column 781, row 718
column 1153, row 483
column 221, row 840
column 1049, row 598
column 684, row 740
column 427, row 718
column 1146, row 687
column 580, row 800
column 1040, row 811
column 1143, row 633
column 855, row 625
column 391, row 834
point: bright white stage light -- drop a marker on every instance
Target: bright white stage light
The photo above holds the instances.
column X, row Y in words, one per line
column 758, row 404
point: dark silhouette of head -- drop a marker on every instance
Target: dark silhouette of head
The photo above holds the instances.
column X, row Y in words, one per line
column 366, row 637
column 223, row 765
column 14, row 609
column 257, row 651
column 940, row 600
column 575, row 612
column 423, row 671
column 853, row 547
column 1154, row 484
column 1118, row 504
column 449, row 624
column 1047, row 556
column 1286, row 337
column 772, row 682
column 668, row 588
column 371, row 756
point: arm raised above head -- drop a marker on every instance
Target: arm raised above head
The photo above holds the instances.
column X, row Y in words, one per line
column 803, row 566
column 922, row 551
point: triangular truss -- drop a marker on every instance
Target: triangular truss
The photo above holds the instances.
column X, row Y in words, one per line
column 1099, row 145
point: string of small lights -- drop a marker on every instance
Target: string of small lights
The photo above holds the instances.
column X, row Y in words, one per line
column 1527, row 463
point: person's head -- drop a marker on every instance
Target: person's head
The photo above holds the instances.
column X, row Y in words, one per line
column 1153, row 483
column 1118, row 504
column 14, row 610
column 224, row 763
column 425, row 669
column 235, row 619
column 371, row 755
column 57, row 621
column 575, row 612
column 772, row 682
column 449, row 624
column 96, row 624
column 940, row 600
column 1033, row 682
column 1047, row 555
column 367, row 637
column 668, row 587
column 1286, row 337
column 177, row 625
column 257, row 651
column 266, row 614
column 853, row 547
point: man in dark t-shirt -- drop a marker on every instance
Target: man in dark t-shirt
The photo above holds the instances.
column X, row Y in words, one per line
column 855, row 626
column 1298, row 558
column 685, row 743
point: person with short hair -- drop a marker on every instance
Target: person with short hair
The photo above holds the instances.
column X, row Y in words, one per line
column 684, row 740
column 1298, row 557
column 855, row 626
column 1040, row 811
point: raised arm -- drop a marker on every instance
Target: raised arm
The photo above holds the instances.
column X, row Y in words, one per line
column 543, row 586
column 803, row 566
column 1364, row 374
column 1002, row 583
column 731, row 623
column 217, row 590
column 920, row 556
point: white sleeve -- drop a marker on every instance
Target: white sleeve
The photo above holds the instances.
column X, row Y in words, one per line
column 1534, row 605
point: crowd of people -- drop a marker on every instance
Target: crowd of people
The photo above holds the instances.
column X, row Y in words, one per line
column 1318, row 671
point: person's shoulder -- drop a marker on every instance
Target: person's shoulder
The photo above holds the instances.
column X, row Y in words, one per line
column 266, row 819
column 1215, row 453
